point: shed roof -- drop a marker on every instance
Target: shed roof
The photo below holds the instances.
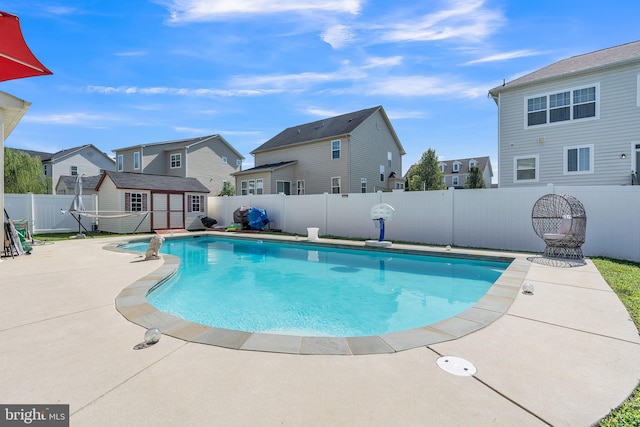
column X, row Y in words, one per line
column 88, row 182
column 323, row 129
column 266, row 167
column 611, row 57
column 143, row 181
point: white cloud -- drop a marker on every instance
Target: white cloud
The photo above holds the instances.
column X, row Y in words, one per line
column 161, row 90
column 419, row 86
column 504, row 56
column 131, row 53
column 468, row 20
column 338, row 36
column 67, row 118
column 389, row 61
column 212, row 10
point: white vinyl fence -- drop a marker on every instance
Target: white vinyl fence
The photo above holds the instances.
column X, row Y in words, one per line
column 488, row 218
column 47, row 213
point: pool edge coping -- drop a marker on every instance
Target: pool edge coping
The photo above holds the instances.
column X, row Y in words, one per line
column 132, row 304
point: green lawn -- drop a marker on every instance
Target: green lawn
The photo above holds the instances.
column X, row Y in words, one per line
column 624, row 279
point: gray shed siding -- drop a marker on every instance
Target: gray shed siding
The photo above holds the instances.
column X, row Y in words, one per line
column 370, row 143
column 612, row 133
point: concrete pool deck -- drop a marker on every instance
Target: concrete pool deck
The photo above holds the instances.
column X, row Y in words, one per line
column 563, row 356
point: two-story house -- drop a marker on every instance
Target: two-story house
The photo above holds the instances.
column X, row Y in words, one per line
column 83, row 160
column 455, row 171
column 210, row 159
column 357, row 152
column 574, row 122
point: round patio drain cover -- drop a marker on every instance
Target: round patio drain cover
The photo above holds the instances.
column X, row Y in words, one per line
column 456, row 366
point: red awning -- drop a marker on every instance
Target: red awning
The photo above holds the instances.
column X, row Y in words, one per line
column 16, row 59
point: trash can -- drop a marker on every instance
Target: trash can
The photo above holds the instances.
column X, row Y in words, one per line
column 312, row 233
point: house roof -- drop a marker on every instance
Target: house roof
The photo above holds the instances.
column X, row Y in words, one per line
column 143, row 181
column 88, row 182
column 182, row 143
column 464, row 165
column 270, row 167
column 601, row 59
column 323, row 129
column 50, row 157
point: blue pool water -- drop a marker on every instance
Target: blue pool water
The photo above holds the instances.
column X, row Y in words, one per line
column 308, row 290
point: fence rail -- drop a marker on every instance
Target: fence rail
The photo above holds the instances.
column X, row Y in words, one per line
column 489, row 218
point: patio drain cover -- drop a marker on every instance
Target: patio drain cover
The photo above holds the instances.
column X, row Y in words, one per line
column 456, row 366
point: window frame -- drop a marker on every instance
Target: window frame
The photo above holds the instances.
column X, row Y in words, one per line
column 455, row 181
column 136, row 160
column 73, row 170
column 389, row 158
column 565, row 162
column 224, row 160
column 243, row 187
column 336, row 149
column 195, row 203
column 283, row 184
column 363, row 185
column 536, row 168
column 259, row 186
column 456, row 167
column 336, row 180
column 120, row 162
column 571, row 107
column 300, row 190
column 175, row 160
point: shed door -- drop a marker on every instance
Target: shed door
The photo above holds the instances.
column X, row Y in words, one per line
column 168, row 211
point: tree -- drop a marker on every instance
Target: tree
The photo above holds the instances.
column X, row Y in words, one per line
column 426, row 174
column 474, row 178
column 23, row 173
column 227, row 189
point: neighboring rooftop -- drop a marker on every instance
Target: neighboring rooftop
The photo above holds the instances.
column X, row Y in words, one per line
column 610, row 57
column 180, row 143
column 320, row 129
column 464, row 164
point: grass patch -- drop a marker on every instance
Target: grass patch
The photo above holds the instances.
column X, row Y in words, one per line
column 624, row 279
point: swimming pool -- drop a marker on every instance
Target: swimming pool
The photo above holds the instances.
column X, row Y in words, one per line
column 315, row 291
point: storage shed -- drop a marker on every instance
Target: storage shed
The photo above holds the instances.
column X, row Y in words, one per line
column 171, row 202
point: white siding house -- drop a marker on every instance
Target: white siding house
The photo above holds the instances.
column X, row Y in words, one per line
column 357, row 152
column 171, row 202
column 456, row 171
column 574, row 122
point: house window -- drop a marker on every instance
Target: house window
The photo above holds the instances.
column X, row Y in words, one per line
column 243, row 188
column 175, row 161
column 224, row 160
column 389, row 158
column 135, row 202
column 526, row 168
column 46, row 169
column 473, row 163
column 283, row 187
column 238, row 162
column 120, row 163
column 335, row 185
column 399, row 186
column 259, row 186
column 136, row 160
column 578, row 159
column 442, row 167
column 335, row 149
column 363, row 185
column 300, row 187
column 74, row 170
column 252, row 186
column 455, row 181
column 456, row 167
column 381, row 173
column 574, row 104
column 195, row 203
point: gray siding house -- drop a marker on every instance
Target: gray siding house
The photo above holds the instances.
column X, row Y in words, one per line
column 456, row 171
column 164, row 202
column 83, row 160
column 358, row 152
column 210, row 159
column 574, row 122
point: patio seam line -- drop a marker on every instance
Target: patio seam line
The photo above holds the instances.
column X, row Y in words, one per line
column 35, row 322
column 126, row 380
column 573, row 329
column 571, row 286
column 475, row 377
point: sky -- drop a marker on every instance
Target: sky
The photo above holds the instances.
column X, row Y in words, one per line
column 144, row 71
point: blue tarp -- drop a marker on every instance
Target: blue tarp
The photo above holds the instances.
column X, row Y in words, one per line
column 257, row 218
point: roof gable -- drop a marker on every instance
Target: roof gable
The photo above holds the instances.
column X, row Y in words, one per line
column 182, row 143
column 464, row 165
column 320, row 129
column 142, row 181
column 610, row 57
